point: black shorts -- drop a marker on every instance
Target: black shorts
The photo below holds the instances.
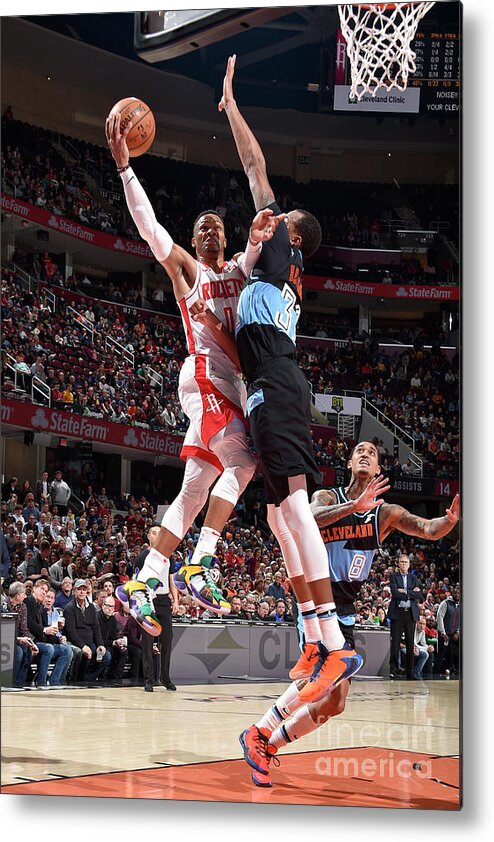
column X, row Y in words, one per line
column 278, row 404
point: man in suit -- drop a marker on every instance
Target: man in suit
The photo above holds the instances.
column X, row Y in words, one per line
column 43, row 489
column 164, row 607
column 403, row 612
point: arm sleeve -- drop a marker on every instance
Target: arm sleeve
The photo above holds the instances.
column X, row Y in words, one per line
column 98, row 637
column 34, row 626
column 142, row 213
column 414, row 594
column 70, row 629
column 249, row 258
column 394, row 589
column 441, row 611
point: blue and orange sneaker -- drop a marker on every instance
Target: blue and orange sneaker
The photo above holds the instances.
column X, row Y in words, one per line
column 306, row 663
column 199, row 582
column 258, row 753
column 139, row 597
column 330, row 669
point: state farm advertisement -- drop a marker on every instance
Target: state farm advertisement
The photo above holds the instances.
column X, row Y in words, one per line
column 138, row 248
column 39, row 216
column 85, row 428
column 405, row 291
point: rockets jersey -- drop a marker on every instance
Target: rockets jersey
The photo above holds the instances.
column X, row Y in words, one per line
column 351, row 544
column 221, row 291
column 269, row 305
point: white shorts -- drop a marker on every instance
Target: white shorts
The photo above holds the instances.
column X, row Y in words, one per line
column 210, row 402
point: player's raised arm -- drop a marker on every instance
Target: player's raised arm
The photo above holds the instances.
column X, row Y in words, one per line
column 326, row 509
column 396, row 517
column 261, row 231
column 248, row 148
column 180, row 265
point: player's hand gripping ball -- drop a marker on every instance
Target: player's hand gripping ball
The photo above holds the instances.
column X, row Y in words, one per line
column 141, row 118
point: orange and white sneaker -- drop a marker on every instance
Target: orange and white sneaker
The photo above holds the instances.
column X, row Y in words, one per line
column 258, row 753
column 306, row 663
column 330, row 669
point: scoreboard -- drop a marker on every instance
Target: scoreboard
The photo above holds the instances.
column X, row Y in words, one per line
column 434, row 88
column 438, row 72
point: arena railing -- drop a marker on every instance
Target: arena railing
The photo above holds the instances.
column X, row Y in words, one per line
column 389, row 347
column 10, row 364
column 82, row 321
column 155, row 378
column 50, row 297
column 115, row 345
column 23, row 277
column 398, row 432
column 40, row 392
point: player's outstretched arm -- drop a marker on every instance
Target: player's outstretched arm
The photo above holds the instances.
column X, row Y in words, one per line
column 180, row 265
column 396, row 517
column 327, row 510
column 248, row 148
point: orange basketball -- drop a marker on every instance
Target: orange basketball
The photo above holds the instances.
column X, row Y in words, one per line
column 141, row 135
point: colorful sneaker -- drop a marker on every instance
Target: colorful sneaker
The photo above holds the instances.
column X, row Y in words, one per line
column 258, row 753
column 330, row 670
column 139, row 597
column 198, row 581
column 306, row 663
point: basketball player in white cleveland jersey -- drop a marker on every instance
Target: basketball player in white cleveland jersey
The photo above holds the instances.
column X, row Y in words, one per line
column 211, row 390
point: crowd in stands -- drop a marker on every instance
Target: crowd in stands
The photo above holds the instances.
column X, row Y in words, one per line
column 416, row 389
column 85, row 373
column 53, row 554
column 50, row 171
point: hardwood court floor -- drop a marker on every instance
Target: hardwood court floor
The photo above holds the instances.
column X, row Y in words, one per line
column 396, row 745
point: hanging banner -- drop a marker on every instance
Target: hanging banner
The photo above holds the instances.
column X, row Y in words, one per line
column 405, row 291
column 138, row 248
column 41, row 419
column 39, row 216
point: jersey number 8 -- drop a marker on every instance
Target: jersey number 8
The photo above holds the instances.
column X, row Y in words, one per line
column 356, row 566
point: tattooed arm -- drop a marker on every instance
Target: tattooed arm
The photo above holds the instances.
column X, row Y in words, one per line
column 392, row 517
column 327, row 510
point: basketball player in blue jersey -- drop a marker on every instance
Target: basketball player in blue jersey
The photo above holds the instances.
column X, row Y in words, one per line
column 353, row 524
column 278, row 407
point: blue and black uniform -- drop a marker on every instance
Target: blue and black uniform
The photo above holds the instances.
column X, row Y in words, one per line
column 351, row 544
column 278, row 402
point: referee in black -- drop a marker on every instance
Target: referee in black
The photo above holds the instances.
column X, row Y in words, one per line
column 163, row 609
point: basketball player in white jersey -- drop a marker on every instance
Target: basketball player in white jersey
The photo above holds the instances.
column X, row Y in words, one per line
column 211, row 391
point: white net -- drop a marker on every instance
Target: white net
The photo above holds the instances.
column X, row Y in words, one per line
column 378, row 38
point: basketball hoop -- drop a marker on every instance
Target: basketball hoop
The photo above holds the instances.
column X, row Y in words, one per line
column 378, row 38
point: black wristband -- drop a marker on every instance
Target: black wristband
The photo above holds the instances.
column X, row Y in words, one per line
column 122, row 169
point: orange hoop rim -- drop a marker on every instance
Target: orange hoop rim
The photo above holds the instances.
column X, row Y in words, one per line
column 385, row 5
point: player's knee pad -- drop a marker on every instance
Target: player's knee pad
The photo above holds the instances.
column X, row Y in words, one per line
column 296, row 510
column 288, row 547
column 230, row 446
column 198, row 478
column 234, row 479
